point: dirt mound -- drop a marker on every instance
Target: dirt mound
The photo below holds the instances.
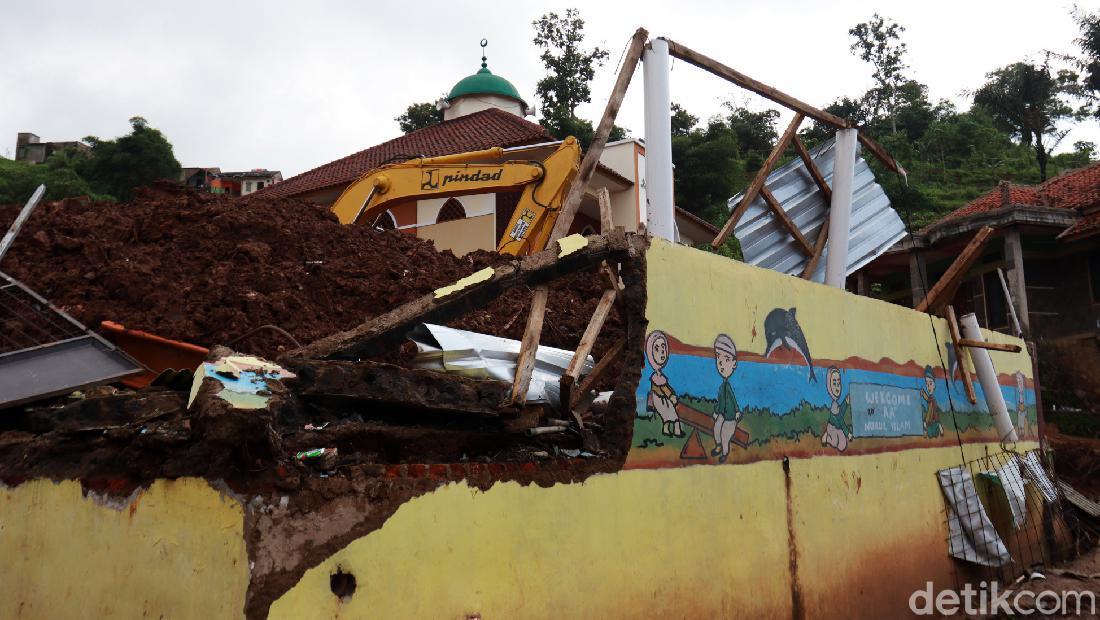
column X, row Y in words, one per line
column 206, row 269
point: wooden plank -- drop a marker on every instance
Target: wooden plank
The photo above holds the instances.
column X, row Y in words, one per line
column 953, row 328
column 591, row 332
column 991, row 346
column 597, row 373
column 785, row 219
column 606, row 222
column 815, row 172
column 401, row 390
column 758, row 181
column 819, row 249
column 876, row 149
column 595, row 149
column 529, row 345
column 378, row 334
column 955, row 272
column 713, row 66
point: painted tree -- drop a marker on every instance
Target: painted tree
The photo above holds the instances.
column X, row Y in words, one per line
column 1029, row 100
column 570, row 67
column 418, row 116
column 878, row 41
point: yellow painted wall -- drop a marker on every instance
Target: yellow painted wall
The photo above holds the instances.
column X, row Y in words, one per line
column 176, row 551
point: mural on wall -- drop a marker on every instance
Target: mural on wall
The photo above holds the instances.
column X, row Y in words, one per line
column 721, row 404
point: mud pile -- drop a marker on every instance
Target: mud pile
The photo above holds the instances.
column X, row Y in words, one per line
column 206, row 269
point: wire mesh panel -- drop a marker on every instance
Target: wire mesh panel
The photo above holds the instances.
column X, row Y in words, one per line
column 1004, row 516
column 45, row 352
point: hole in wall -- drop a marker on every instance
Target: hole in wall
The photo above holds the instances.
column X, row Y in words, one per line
column 342, row 584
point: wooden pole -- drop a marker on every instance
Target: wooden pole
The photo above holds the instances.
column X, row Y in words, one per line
column 785, row 219
column 713, row 66
column 606, row 222
column 588, row 339
column 529, row 346
column 880, row 153
column 819, row 249
column 1011, row 304
column 595, row 150
column 597, row 372
column 758, row 181
column 814, row 171
column 991, row 346
column 953, row 327
column 954, row 274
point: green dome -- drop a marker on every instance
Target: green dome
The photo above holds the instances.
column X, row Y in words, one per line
column 485, row 83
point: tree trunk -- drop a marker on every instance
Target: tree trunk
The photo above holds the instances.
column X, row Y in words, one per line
column 1041, row 156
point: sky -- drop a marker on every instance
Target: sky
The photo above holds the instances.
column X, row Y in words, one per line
column 291, row 86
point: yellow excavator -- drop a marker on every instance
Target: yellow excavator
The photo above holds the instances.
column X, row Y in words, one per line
column 545, row 184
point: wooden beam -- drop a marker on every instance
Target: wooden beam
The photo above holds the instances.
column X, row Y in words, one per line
column 606, row 222
column 814, row 171
column 876, row 149
column 819, row 249
column 588, row 339
column 597, row 373
column 595, row 149
column 785, row 219
column 953, row 328
column 992, row 346
column 529, row 346
column 955, row 273
column 760, row 88
column 380, row 333
column 401, row 390
column 758, row 181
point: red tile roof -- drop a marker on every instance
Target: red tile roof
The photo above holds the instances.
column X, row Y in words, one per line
column 480, row 130
column 1078, row 190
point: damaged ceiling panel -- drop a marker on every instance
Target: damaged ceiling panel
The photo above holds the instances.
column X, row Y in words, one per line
column 765, row 242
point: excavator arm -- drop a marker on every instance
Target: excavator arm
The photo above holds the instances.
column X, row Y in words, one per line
column 544, row 185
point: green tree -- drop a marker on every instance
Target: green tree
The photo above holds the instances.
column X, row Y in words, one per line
column 878, row 41
column 570, row 67
column 1029, row 100
column 1089, row 63
column 418, row 116
column 18, row 181
column 138, row 158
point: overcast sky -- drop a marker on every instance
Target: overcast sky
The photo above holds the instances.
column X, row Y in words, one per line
column 290, row 86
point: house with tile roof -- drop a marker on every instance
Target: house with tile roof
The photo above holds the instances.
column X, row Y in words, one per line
column 481, row 111
column 1046, row 246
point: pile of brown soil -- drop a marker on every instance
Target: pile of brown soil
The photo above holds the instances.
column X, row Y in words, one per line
column 206, row 269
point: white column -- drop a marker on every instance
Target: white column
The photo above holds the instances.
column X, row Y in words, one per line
column 840, row 211
column 660, row 216
column 987, row 376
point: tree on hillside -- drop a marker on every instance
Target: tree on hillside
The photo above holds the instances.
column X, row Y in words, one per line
column 1090, row 62
column 878, row 41
column 570, row 67
column 138, row 158
column 1029, row 100
column 418, row 116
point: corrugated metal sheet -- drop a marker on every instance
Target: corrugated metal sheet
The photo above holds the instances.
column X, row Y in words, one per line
column 765, row 242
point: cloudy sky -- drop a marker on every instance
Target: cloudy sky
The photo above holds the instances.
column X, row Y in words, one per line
column 290, row 86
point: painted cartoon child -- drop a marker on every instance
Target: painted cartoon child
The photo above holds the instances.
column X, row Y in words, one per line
column 836, row 433
column 932, row 426
column 1021, row 402
column 726, row 412
column 662, row 398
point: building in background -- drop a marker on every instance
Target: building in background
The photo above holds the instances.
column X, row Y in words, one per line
column 29, row 148
column 244, row 183
column 199, row 178
column 482, row 111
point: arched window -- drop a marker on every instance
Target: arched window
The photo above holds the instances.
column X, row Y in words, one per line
column 451, row 210
column 588, row 230
column 385, row 221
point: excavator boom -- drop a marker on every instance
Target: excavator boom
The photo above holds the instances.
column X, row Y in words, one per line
column 544, row 186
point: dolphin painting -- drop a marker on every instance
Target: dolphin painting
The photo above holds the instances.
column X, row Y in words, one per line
column 781, row 329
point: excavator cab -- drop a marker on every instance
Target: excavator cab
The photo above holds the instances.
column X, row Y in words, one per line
column 544, row 185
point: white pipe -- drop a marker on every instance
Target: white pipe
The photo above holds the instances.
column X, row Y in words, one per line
column 660, row 216
column 840, row 211
column 20, row 219
column 987, row 376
